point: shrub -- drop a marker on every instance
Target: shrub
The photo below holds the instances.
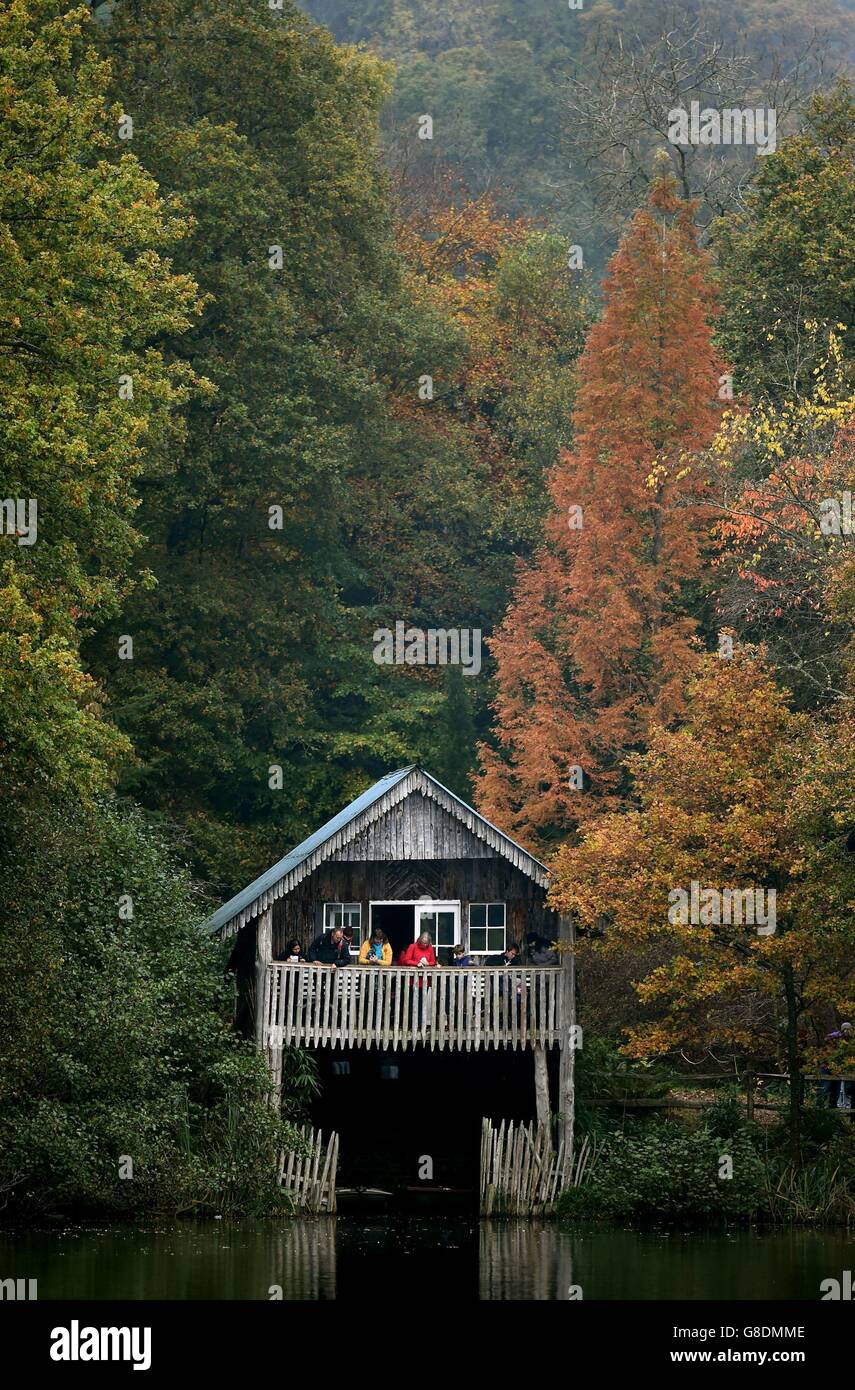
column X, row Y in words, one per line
column 126, row 1050
column 664, row 1171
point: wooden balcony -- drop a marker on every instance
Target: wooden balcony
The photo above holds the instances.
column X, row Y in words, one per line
column 394, row 1007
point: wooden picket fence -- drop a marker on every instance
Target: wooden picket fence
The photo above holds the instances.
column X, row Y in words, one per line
column 309, row 1178
column 522, row 1173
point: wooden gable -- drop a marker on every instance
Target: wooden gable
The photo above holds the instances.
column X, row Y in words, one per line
column 416, row 828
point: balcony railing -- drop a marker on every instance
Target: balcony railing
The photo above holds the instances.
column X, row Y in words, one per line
column 391, row 1007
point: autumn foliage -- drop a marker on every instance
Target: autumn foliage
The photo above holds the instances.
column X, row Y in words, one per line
column 750, row 795
column 600, row 637
column 785, row 562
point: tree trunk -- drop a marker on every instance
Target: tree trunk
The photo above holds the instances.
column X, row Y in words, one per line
column 793, row 1065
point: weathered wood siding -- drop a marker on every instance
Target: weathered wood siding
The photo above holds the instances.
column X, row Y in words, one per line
column 301, row 913
column 415, row 811
column 418, row 828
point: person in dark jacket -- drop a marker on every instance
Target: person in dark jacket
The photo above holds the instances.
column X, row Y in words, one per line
column 330, row 948
column 510, row 956
column 542, row 953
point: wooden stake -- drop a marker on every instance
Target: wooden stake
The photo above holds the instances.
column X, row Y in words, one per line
column 567, row 1081
column 541, row 1086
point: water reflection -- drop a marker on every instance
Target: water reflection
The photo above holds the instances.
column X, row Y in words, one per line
column 342, row 1256
column 520, row 1259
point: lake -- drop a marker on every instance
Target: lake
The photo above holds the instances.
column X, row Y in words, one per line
column 403, row 1256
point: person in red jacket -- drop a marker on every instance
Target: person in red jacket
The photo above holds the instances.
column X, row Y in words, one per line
column 422, row 954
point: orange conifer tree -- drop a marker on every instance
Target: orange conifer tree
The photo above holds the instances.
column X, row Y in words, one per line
column 598, row 639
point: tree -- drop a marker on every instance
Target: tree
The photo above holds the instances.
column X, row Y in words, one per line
column 86, row 399
column 784, row 476
column 647, row 60
column 786, row 261
column 307, row 505
column 578, row 151
column 456, row 746
column 745, row 796
column 123, row 1087
column 522, row 314
column 599, row 637
column 347, row 473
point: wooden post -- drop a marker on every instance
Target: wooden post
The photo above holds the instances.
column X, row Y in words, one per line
column 263, row 955
column 749, row 1094
column 541, row 1088
column 567, row 1078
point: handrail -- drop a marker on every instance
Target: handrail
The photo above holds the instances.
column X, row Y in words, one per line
column 454, row 1007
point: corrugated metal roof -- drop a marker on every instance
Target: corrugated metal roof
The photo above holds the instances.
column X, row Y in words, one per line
column 310, row 852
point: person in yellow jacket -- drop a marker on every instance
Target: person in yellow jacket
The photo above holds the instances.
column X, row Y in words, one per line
column 376, row 949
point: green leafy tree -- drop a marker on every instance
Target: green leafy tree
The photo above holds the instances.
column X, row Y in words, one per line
column 318, row 496
column 456, row 745
column 254, row 651
column 85, row 399
column 787, row 264
column 124, row 1088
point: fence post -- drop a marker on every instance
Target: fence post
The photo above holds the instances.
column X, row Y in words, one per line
column 541, row 1087
column 263, row 956
column 749, row 1094
column 567, row 1055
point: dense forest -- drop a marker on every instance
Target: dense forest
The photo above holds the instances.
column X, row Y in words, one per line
column 315, row 323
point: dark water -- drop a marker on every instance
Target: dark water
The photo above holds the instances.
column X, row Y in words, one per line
column 347, row 1256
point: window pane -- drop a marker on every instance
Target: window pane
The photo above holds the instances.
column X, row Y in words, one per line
column 477, row 938
column 478, row 915
column 445, row 929
column 427, row 922
column 496, row 939
column 496, row 915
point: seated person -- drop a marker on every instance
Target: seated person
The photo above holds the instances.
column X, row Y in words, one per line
column 294, row 953
column 510, row 956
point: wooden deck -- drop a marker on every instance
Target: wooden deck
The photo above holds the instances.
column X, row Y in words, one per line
column 394, row 1007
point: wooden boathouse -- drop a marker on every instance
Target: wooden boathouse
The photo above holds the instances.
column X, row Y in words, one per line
column 409, row 856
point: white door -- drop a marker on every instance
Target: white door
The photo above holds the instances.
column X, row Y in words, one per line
column 442, row 920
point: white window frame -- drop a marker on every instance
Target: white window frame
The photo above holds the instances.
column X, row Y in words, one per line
column 329, row 908
column 429, row 904
column 475, row 950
